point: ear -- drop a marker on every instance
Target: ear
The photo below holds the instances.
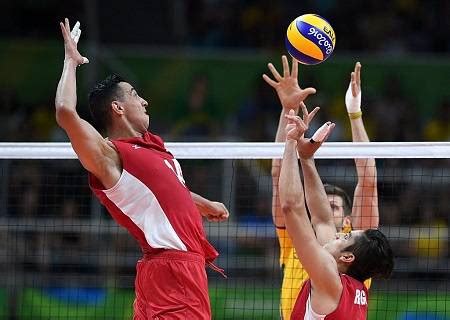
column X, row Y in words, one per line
column 347, row 257
column 117, row 107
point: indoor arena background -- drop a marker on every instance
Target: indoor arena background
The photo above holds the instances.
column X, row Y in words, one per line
column 199, row 64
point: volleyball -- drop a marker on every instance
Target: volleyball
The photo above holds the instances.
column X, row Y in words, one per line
column 310, row 39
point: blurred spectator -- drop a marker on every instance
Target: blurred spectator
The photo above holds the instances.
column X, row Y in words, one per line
column 197, row 121
column 395, row 115
column 257, row 117
column 42, row 122
column 24, row 190
column 11, row 116
column 438, row 127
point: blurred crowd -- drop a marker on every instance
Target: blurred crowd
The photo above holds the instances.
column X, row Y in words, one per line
column 375, row 26
column 390, row 115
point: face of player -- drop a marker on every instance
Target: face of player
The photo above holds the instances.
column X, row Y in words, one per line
column 337, row 206
column 341, row 241
column 135, row 107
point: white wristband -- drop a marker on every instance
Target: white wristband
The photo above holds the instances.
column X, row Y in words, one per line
column 352, row 103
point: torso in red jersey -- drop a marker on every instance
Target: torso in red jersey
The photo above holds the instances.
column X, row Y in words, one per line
column 151, row 199
column 352, row 305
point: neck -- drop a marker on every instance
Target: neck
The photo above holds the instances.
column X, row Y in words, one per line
column 123, row 133
column 342, row 268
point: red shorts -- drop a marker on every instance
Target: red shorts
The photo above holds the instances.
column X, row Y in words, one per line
column 171, row 285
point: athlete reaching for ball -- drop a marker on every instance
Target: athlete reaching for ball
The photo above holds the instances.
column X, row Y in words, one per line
column 364, row 212
column 337, row 263
column 142, row 186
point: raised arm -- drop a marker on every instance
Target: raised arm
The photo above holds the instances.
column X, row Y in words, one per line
column 319, row 264
column 290, row 95
column 365, row 213
column 316, row 198
column 95, row 153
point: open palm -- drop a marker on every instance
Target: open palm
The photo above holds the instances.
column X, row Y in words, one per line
column 71, row 41
column 286, row 86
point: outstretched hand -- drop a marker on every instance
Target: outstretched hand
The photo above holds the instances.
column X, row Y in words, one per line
column 297, row 126
column 353, row 94
column 71, row 42
column 307, row 147
column 286, row 86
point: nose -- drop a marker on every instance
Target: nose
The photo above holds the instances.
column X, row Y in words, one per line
column 144, row 103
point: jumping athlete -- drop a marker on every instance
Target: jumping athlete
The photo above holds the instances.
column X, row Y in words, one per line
column 337, row 263
column 363, row 214
column 142, row 186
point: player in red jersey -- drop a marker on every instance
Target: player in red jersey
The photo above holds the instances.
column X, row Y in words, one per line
column 142, row 186
column 337, row 263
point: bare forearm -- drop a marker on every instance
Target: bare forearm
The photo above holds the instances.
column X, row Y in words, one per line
column 282, row 122
column 293, row 202
column 201, row 203
column 66, row 93
column 277, row 215
column 359, row 133
column 291, row 189
column 316, row 198
column 365, row 167
column 365, row 201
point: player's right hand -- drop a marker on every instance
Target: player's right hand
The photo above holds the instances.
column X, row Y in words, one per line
column 71, row 41
column 297, row 126
column 307, row 147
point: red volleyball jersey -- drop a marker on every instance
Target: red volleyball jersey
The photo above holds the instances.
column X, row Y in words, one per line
column 352, row 305
column 151, row 199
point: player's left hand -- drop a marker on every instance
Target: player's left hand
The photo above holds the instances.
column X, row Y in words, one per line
column 353, row 94
column 216, row 212
column 286, row 86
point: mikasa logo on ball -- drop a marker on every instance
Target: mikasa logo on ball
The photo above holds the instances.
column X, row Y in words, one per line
column 329, row 32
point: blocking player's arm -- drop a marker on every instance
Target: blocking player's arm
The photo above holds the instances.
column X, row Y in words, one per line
column 290, row 95
column 277, row 215
column 212, row 210
column 94, row 152
column 317, row 201
column 319, row 264
column 365, row 214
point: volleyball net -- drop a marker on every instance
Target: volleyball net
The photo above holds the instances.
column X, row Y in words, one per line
column 62, row 256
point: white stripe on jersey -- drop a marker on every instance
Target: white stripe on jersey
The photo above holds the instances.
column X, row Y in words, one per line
column 310, row 314
column 139, row 203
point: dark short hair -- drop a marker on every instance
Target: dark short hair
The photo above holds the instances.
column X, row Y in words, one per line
column 100, row 99
column 335, row 190
column 373, row 256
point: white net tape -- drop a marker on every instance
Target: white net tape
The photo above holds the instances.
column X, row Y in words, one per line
column 247, row 150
